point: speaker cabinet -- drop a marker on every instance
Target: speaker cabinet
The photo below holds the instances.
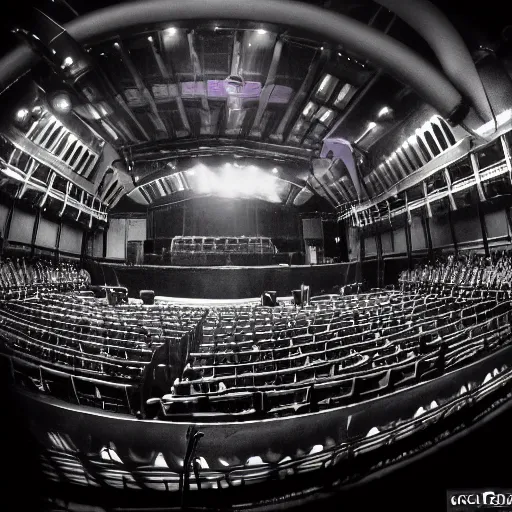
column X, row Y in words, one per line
column 147, row 297
column 269, row 299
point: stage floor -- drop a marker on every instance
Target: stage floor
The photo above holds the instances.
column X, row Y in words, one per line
column 183, row 301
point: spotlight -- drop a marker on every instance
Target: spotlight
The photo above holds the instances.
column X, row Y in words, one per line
column 68, row 61
column 261, row 31
column 384, row 111
column 275, row 170
column 61, row 103
column 22, row 115
column 171, row 31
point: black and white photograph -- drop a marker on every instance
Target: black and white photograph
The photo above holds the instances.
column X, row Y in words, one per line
column 256, row 256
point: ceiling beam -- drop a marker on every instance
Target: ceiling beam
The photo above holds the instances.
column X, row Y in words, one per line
column 139, row 83
column 267, row 89
column 198, row 147
column 229, row 119
column 361, row 93
column 206, row 115
column 295, row 106
column 167, row 72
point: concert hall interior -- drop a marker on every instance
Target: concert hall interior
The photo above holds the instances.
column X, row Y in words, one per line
column 254, row 254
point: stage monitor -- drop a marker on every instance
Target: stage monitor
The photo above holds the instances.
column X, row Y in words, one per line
column 269, row 299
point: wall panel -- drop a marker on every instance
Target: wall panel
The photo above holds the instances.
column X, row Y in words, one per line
column 71, row 239
column 496, row 224
column 22, row 225
column 370, row 246
column 116, row 239
column 400, row 241
column 418, row 241
column 97, row 244
column 387, row 242
column 4, row 212
column 136, row 229
column 47, row 233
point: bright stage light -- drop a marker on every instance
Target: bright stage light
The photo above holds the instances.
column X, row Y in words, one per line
column 235, row 182
column 383, row 111
column 22, row 115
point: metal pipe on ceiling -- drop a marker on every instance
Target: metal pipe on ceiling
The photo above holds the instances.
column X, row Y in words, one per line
column 450, row 49
column 385, row 52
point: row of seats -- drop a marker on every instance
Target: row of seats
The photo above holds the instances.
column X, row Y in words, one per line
column 280, row 399
column 88, row 337
column 21, row 278
column 247, row 359
column 376, row 341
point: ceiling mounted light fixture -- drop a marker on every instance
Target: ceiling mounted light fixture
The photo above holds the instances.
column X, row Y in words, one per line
column 384, row 111
column 171, row 31
column 61, row 103
column 22, row 115
column 68, row 62
column 261, row 31
column 371, row 126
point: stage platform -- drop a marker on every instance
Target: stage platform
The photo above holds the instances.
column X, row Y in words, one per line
column 183, row 301
column 222, row 283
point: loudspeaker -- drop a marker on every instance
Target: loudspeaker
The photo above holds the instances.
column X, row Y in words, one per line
column 147, row 297
column 117, row 295
column 149, row 246
column 269, row 299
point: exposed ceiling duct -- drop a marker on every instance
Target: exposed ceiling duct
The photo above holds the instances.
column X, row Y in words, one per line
column 449, row 47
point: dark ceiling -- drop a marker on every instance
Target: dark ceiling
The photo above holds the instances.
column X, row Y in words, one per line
column 247, row 94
